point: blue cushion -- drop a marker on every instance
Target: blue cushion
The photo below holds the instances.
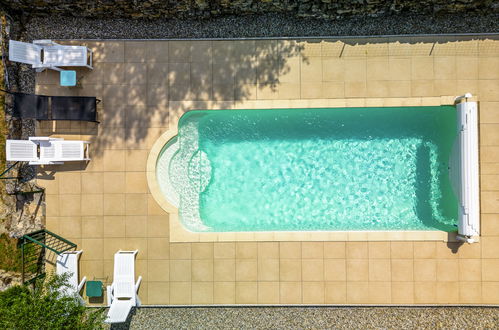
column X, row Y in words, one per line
column 68, row 78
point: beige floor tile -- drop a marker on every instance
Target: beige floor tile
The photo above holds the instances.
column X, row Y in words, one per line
column 290, row 292
column 202, row 250
column 158, row 293
column 422, row 68
column 425, row 250
column 470, row 270
column 490, row 269
column 202, row 293
column 447, row 292
column 447, row 270
column 93, row 249
column 136, row 95
column 92, row 226
column 136, row 204
column 336, row 250
column 290, row 270
column 91, row 269
column 377, row 69
column 180, row 293
column 202, row 270
column 268, row 270
column 246, row 250
column 422, row 88
column 379, row 250
column 114, row 160
column 114, row 204
column 158, row 248
column 402, row 270
column 489, row 200
column 136, row 226
column 246, row 270
column 357, row 292
column 224, row 270
column 447, row 250
column 490, row 224
column 444, row 67
column 470, row 292
column 114, row 182
column 402, row 250
column 313, row 269
column 335, row 270
column 488, row 67
column 180, row 270
column 180, row 251
column 333, row 69
column 380, row 292
column 246, row 292
column 425, row 270
column 357, row 250
column 357, row 269
column 92, row 204
column 69, row 183
column 290, row 250
column 268, row 292
column 488, row 134
column 114, row 226
column 111, row 246
column 135, row 160
column 69, row 205
column 379, row 270
column 355, row 70
column 224, row 250
column 157, row 226
column 425, row 292
column 490, row 247
column 92, row 183
column 224, row 292
column 70, row 227
column 157, row 73
column 157, row 51
column 52, row 224
column 50, row 184
column 112, row 73
column 313, row 292
column 335, row 293
column 312, row 250
column 378, row 88
column 52, row 208
column 135, row 73
column 179, row 51
column 158, row 270
column 135, row 182
column 402, row 292
column 268, row 250
column 135, row 51
column 311, row 70
column 111, row 51
column 470, row 251
column 490, row 292
column 141, row 269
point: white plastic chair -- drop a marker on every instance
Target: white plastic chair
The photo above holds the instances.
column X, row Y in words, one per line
column 46, row 54
column 40, row 150
column 67, row 263
column 122, row 293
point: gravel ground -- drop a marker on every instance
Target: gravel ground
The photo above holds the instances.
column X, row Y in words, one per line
column 269, row 25
column 314, row 318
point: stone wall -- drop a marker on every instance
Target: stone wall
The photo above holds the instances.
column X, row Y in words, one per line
column 152, row 9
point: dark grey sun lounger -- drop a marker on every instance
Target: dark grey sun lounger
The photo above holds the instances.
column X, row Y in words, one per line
column 41, row 107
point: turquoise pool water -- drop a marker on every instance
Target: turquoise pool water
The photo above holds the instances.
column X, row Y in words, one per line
column 315, row 169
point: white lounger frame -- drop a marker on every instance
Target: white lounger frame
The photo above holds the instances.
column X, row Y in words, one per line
column 54, row 55
column 67, row 263
column 122, row 293
column 467, row 161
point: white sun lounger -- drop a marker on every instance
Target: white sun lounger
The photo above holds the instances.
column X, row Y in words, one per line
column 67, row 263
column 46, row 54
column 41, row 150
column 122, row 293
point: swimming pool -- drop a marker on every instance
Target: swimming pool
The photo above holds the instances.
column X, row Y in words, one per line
column 328, row 169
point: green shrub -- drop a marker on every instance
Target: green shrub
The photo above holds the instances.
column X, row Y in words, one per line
column 44, row 307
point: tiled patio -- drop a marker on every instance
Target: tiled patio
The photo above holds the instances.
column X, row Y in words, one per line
column 145, row 86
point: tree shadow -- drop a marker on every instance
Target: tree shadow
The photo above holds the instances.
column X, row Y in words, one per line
column 143, row 98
